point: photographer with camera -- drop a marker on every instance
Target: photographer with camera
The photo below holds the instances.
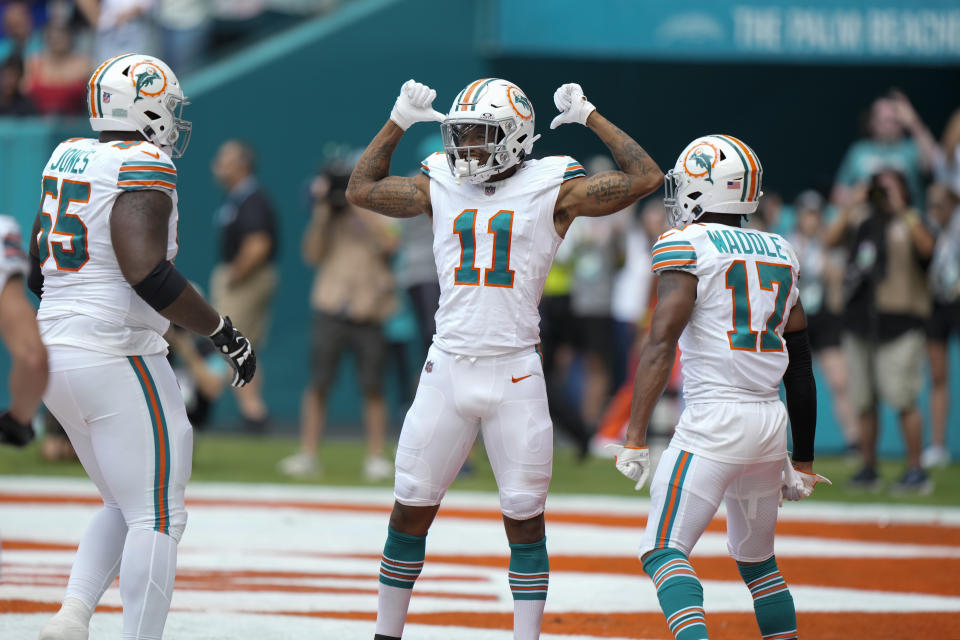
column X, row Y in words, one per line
column 353, row 295
column 887, row 301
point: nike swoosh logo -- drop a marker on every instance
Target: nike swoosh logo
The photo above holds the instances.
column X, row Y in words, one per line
column 154, row 154
column 512, row 379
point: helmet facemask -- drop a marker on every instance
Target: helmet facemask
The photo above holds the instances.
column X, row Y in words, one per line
column 477, row 149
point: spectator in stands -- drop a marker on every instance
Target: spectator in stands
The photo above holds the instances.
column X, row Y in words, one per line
column 19, row 38
column 417, row 273
column 353, row 295
column 947, row 165
column 944, row 216
column 122, row 26
column 12, row 100
column 896, row 139
column 56, row 78
column 597, row 245
column 557, row 338
column 632, row 284
column 243, row 283
column 184, row 32
column 887, row 304
column 821, row 292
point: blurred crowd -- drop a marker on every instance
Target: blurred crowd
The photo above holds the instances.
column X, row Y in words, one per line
column 48, row 47
column 879, row 252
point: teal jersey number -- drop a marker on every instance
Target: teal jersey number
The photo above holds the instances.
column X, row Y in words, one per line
column 463, row 226
column 742, row 337
column 500, row 275
column 67, row 224
column 501, row 227
column 781, row 274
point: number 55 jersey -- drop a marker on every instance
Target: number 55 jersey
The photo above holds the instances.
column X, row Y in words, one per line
column 494, row 244
column 87, row 303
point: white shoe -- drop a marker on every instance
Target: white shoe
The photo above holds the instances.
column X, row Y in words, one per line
column 299, row 465
column 70, row 623
column 376, row 468
column 935, row 456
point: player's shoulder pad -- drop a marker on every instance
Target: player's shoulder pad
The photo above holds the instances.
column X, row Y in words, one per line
column 675, row 249
column 144, row 166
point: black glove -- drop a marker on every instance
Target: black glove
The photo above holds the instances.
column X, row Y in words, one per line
column 14, row 433
column 237, row 350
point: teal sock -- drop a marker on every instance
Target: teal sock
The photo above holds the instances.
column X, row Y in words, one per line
column 400, row 566
column 529, row 577
column 402, row 559
column 529, row 570
column 772, row 602
column 680, row 593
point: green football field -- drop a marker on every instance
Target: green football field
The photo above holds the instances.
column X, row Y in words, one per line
column 232, row 458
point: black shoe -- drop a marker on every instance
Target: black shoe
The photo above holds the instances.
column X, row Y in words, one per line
column 914, row 482
column 865, row 480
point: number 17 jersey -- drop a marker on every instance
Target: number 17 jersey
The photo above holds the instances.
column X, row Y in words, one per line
column 732, row 349
column 494, row 244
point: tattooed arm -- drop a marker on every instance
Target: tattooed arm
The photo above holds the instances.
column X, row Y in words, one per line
column 610, row 191
column 676, row 294
column 371, row 186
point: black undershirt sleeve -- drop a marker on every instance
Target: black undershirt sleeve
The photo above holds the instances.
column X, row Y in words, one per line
column 801, row 391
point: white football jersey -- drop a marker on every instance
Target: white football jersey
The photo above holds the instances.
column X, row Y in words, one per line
column 86, row 301
column 732, row 349
column 13, row 258
column 494, row 244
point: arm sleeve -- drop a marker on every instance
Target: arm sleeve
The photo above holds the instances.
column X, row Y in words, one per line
column 801, row 392
column 573, row 170
column 673, row 251
column 136, row 174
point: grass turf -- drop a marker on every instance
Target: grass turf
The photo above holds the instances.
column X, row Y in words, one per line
column 231, row 458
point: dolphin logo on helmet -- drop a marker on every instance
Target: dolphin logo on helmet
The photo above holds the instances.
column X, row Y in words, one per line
column 714, row 174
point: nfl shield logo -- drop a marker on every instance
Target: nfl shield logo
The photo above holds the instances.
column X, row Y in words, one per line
column 489, row 189
column 106, row 97
column 428, row 367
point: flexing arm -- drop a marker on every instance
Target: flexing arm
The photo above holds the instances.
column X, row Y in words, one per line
column 18, row 328
column 371, row 186
column 610, row 191
column 676, row 294
column 138, row 230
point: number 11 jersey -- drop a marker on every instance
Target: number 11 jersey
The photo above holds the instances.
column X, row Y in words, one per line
column 494, row 244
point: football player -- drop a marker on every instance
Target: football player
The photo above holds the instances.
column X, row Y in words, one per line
column 728, row 296
column 102, row 250
column 498, row 217
column 18, row 328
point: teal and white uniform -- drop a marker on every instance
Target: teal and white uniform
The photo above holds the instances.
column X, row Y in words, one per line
column 493, row 244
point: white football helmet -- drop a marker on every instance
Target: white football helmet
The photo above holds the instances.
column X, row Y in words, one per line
column 133, row 92
column 506, row 115
column 716, row 174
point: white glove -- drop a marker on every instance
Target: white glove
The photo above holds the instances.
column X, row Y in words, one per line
column 572, row 104
column 414, row 104
column 798, row 484
column 633, row 462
